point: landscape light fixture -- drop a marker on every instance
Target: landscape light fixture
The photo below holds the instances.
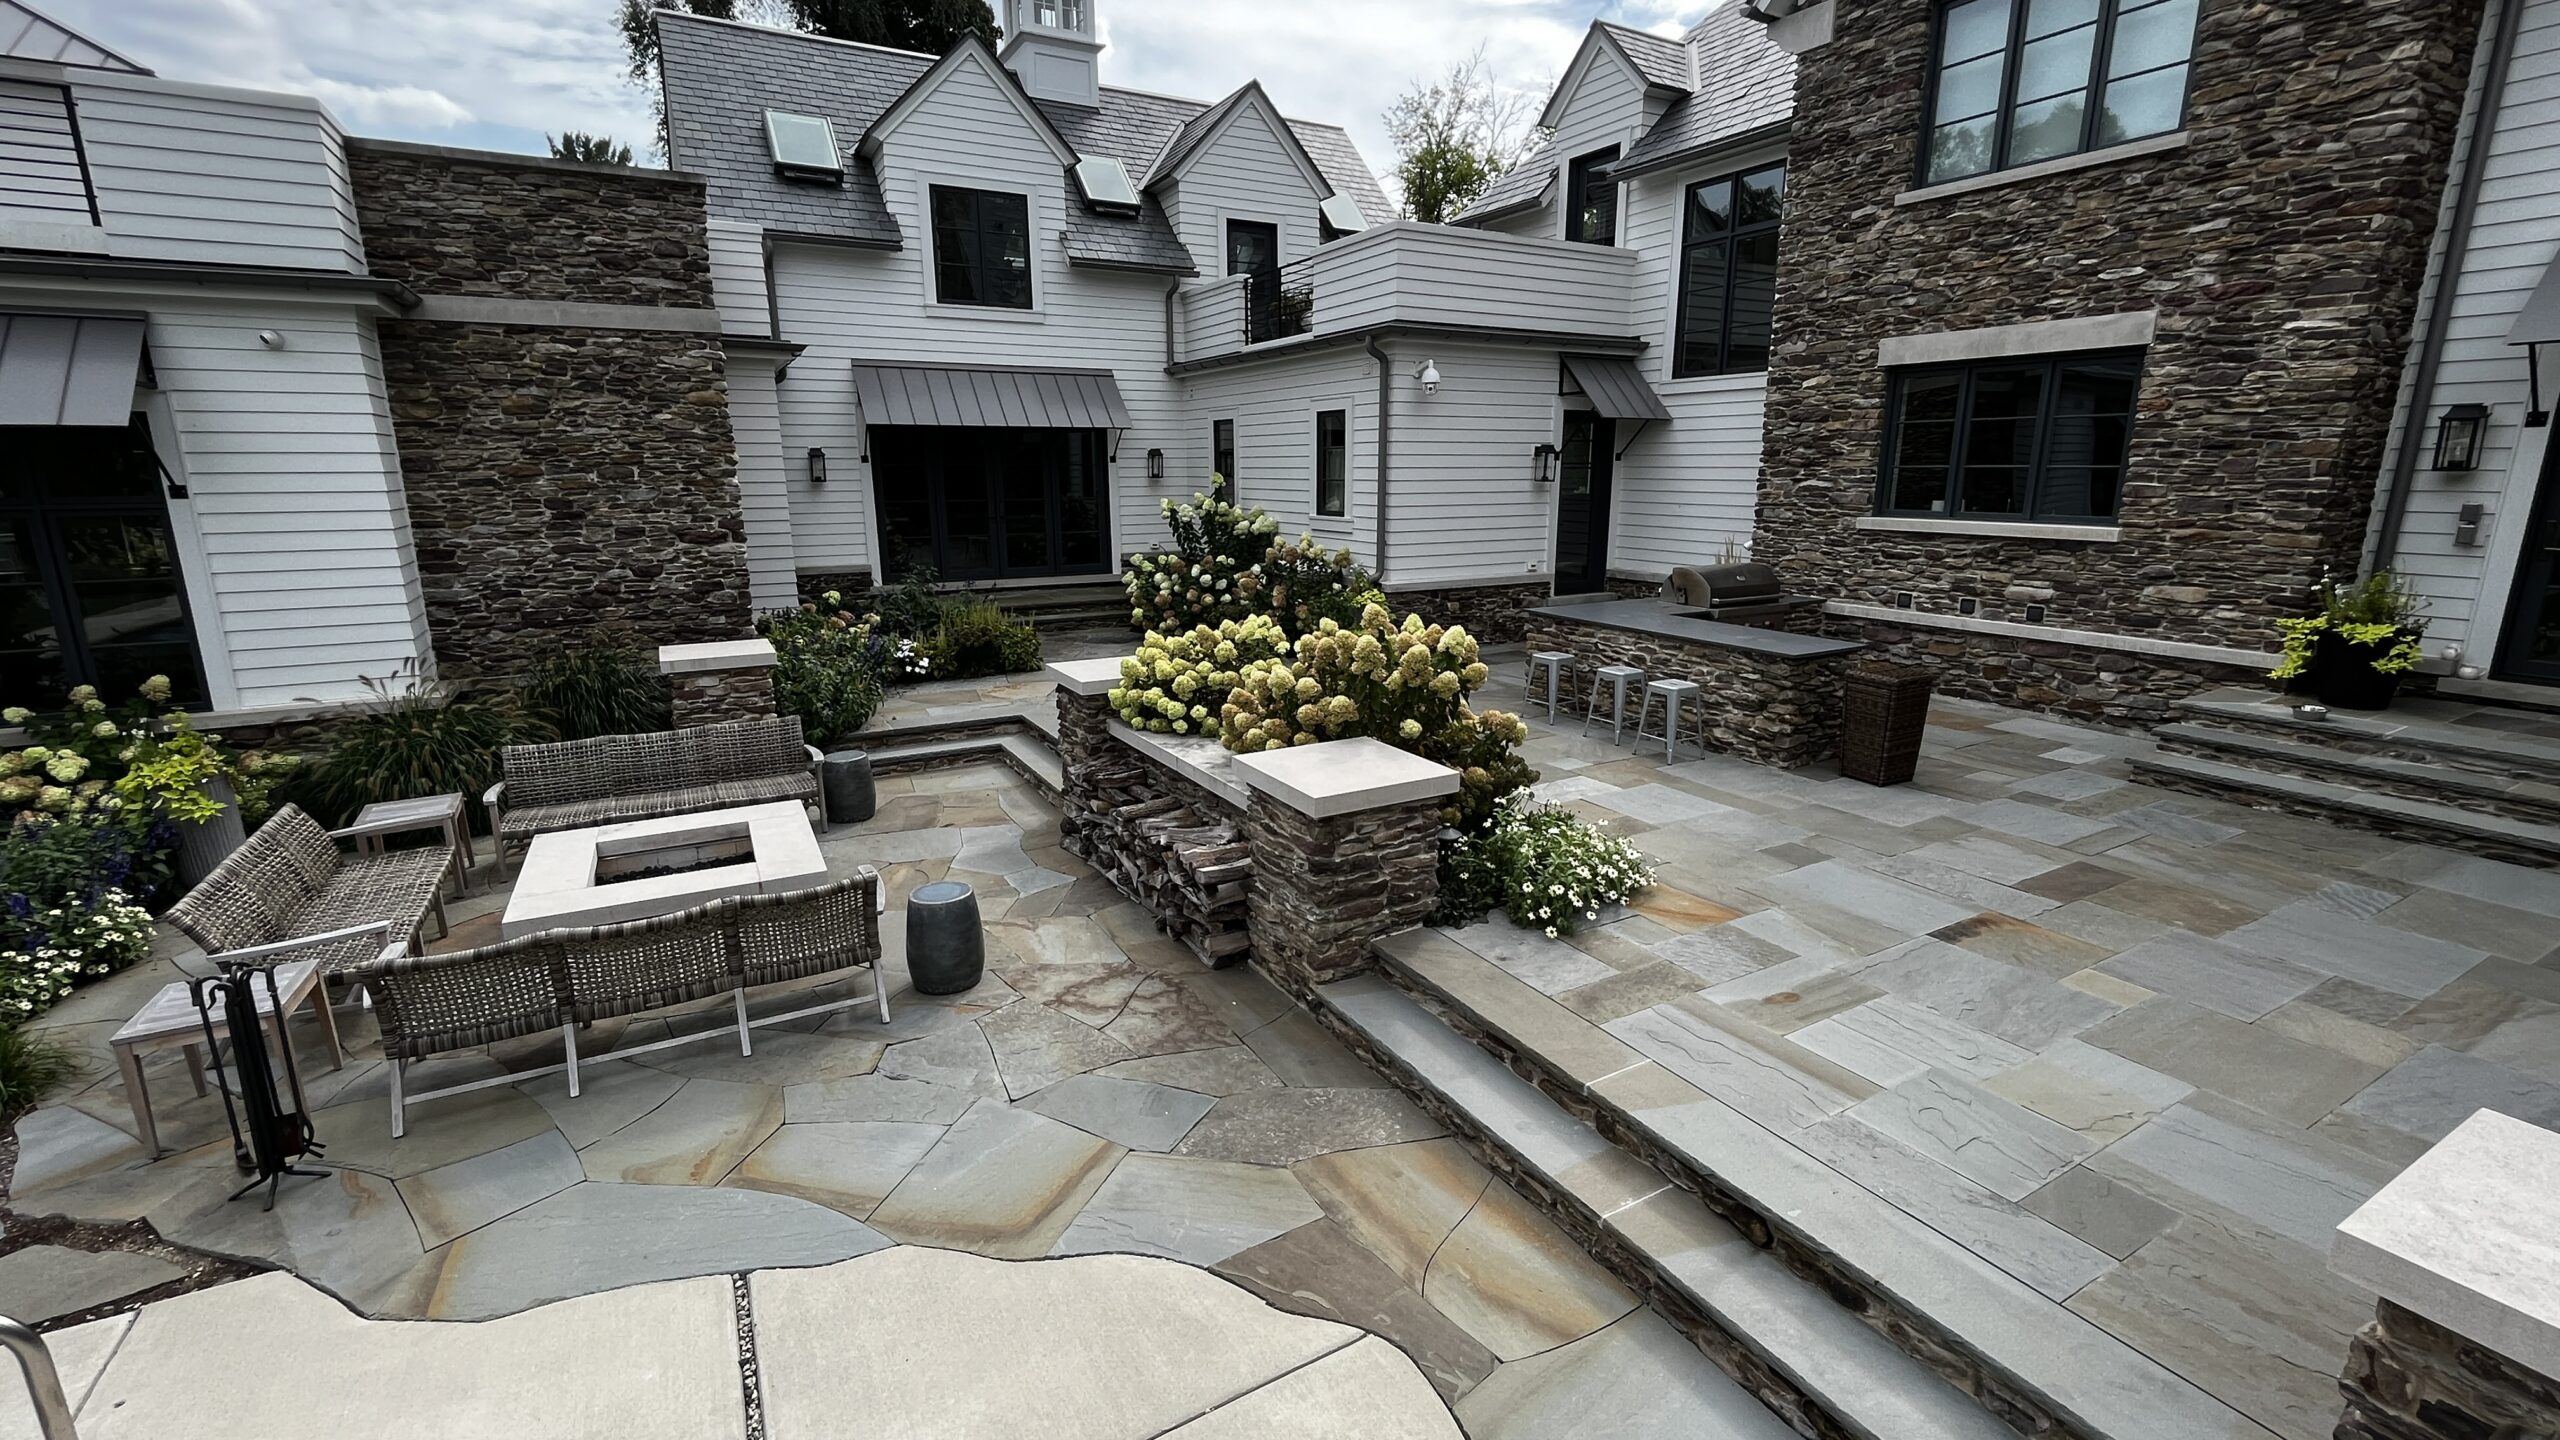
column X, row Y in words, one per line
column 2458, row 436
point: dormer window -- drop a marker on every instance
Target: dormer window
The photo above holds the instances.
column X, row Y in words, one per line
column 803, row 146
column 1104, row 184
column 1338, row 216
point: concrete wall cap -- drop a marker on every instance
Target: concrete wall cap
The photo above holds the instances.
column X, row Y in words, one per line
column 2469, row 1237
column 1084, row 677
column 1343, row 777
column 715, row 655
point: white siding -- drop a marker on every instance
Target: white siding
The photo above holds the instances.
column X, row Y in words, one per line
column 1274, row 404
column 737, row 279
column 2514, row 238
column 848, row 305
column 1243, row 173
column 295, row 505
column 1607, row 108
column 230, row 177
column 764, row 495
column 1445, row 275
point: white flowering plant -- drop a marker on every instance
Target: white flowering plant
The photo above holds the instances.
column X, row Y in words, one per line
column 1547, row 868
column 1227, row 563
column 45, row 951
column 1179, row 684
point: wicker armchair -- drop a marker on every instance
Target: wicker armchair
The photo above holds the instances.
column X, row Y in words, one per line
column 613, row 778
column 564, row 979
column 289, row 890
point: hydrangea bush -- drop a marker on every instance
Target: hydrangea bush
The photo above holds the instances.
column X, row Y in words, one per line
column 44, row 951
column 1546, row 868
column 1178, row 684
column 1228, row 562
column 1404, row 684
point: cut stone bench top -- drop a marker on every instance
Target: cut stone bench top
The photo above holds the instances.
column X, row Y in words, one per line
column 1666, row 621
column 1196, row 758
column 715, row 655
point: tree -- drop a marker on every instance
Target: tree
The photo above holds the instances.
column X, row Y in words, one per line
column 1455, row 136
column 638, row 20
column 588, row 149
column 930, row 26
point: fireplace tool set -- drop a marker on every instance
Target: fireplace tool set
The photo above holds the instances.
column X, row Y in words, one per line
column 270, row 1124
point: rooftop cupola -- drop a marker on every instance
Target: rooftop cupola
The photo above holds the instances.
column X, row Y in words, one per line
column 1051, row 48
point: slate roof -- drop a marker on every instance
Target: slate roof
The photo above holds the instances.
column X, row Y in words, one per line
column 1746, row 85
column 721, row 76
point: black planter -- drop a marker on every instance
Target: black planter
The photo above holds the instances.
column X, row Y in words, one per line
column 2342, row 673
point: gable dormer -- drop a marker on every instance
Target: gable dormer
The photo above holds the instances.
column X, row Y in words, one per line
column 1053, row 49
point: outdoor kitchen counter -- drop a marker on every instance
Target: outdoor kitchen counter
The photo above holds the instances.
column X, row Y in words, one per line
column 1772, row 696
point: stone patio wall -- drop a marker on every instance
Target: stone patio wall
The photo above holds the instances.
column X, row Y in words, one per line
column 2408, row 1378
column 2105, row 687
column 559, row 400
column 1493, row 614
column 1776, row 711
column 2281, row 249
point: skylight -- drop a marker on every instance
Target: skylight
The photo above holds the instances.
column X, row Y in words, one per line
column 1342, row 216
column 802, row 144
column 1105, row 183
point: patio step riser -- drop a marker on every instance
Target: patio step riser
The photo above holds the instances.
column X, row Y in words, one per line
column 1919, row 1353
column 2514, row 795
column 913, row 753
column 2492, row 836
column 2488, row 758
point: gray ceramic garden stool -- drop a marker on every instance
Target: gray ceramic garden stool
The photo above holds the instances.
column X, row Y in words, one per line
column 946, row 946
column 845, row 776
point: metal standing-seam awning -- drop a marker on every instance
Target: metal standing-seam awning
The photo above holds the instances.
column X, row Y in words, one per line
column 1617, row 389
column 996, row 398
column 68, row 369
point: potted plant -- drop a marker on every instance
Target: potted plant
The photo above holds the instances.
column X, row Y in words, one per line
column 2354, row 651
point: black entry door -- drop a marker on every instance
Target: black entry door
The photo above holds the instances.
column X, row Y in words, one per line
column 2531, row 647
column 990, row 504
column 90, row 592
column 1582, row 503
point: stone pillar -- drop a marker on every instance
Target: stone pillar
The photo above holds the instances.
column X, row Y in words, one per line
column 1346, row 848
column 720, row 681
column 2464, row 1250
column 1084, row 718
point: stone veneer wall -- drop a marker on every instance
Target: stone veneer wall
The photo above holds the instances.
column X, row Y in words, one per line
column 2408, row 1378
column 712, row 697
column 1323, row 889
column 1493, row 614
column 1768, row 708
column 2104, row 687
column 2282, row 250
column 570, row 464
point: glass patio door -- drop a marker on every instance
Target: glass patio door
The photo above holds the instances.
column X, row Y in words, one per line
column 2531, row 648
column 90, row 589
column 991, row 504
column 1582, row 503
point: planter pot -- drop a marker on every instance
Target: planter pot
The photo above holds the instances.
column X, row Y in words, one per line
column 1884, row 716
column 2342, row 674
column 202, row 844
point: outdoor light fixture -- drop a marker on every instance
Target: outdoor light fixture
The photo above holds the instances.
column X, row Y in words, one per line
column 1542, row 463
column 2458, row 436
column 1429, row 375
column 1155, row 464
column 817, row 466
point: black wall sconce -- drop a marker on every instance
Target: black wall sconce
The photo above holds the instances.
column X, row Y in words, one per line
column 1542, row 464
column 2458, row 436
column 817, row 466
column 1155, row 464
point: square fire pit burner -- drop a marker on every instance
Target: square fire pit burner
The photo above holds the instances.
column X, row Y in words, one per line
column 613, row 873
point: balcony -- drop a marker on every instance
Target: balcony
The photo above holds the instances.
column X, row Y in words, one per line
column 1422, row 275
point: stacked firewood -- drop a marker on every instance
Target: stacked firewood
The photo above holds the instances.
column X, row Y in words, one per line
column 1190, row 872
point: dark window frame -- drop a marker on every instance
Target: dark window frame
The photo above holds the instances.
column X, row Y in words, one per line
column 980, row 267
column 2004, row 113
column 1340, row 421
column 1730, row 241
column 1577, row 183
column 1222, row 457
column 2037, row 474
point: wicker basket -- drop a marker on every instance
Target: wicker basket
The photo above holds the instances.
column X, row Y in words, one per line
column 1885, row 712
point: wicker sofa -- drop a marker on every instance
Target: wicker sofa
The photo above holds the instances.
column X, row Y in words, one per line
column 562, row 979
column 612, row 778
column 289, row 892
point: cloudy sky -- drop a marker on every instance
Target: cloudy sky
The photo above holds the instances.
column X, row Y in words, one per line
column 499, row 74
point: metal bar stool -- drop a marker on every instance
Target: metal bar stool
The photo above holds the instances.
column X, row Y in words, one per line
column 1555, row 663
column 1620, row 678
column 1674, row 695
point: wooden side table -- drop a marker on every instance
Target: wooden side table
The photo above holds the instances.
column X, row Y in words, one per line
column 442, row 813
column 169, row 1021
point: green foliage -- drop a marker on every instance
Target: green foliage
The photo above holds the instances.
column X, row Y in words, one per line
column 31, row 1065
column 1404, row 684
column 587, row 149
column 46, row 950
column 1453, row 138
column 414, row 737
column 828, row 670
column 48, row 860
column 2379, row 612
column 910, row 609
column 87, row 757
column 1547, row 868
column 930, row 26
column 1179, row 684
column 1228, row 562
column 976, row 637
column 1309, row 585
column 605, row 685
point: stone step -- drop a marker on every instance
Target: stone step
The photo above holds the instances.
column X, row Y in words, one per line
column 2499, row 837
column 1827, row 1357
column 1031, row 754
column 1972, row 1323
column 2520, row 797
column 2415, row 730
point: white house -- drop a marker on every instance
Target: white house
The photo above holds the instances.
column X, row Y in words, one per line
column 197, row 473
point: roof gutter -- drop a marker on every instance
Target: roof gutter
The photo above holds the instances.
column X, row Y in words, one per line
column 2466, row 209
column 1291, row 349
column 1386, row 394
column 149, row 272
column 1699, row 154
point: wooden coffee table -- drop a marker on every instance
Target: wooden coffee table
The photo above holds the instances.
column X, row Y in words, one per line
column 170, row 1021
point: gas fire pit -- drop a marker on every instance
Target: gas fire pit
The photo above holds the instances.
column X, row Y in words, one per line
column 632, row 871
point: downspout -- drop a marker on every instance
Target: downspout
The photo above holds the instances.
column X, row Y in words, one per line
column 1386, row 392
column 2466, row 208
column 1172, row 350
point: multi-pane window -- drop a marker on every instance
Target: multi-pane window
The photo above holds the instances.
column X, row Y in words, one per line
column 981, row 247
column 1728, row 272
column 1591, row 198
column 1333, row 462
column 2020, row 81
column 2035, row 439
column 1222, row 457
column 90, row 592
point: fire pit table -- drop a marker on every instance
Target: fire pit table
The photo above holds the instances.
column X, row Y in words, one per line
column 644, row 868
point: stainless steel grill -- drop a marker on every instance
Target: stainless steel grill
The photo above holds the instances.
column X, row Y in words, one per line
column 1747, row 593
